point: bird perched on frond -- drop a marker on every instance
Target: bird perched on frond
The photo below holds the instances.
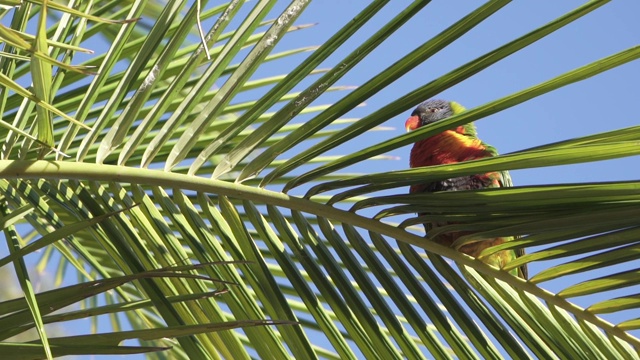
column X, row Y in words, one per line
column 454, row 146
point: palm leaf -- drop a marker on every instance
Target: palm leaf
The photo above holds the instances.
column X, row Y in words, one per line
column 201, row 196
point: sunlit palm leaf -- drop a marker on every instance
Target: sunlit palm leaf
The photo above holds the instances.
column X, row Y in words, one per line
column 344, row 283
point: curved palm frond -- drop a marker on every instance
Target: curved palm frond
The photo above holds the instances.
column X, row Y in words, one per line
column 182, row 203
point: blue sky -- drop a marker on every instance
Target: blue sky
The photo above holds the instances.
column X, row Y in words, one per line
column 598, row 104
column 602, row 103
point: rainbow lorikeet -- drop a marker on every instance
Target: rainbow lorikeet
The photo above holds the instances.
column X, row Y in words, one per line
column 453, row 146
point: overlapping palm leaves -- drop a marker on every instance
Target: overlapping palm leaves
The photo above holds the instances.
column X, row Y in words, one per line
column 179, row 211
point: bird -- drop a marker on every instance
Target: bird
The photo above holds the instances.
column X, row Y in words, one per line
column 450, row 147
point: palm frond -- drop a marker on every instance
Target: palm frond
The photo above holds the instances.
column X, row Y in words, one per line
column 201, row 199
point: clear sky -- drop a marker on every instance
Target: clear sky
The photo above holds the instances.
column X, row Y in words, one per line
column 605, row 102
column 602, row 103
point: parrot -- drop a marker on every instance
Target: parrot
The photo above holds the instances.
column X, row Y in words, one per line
column 453, row 146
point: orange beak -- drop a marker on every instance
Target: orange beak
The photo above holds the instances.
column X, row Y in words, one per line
column 412, row 123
